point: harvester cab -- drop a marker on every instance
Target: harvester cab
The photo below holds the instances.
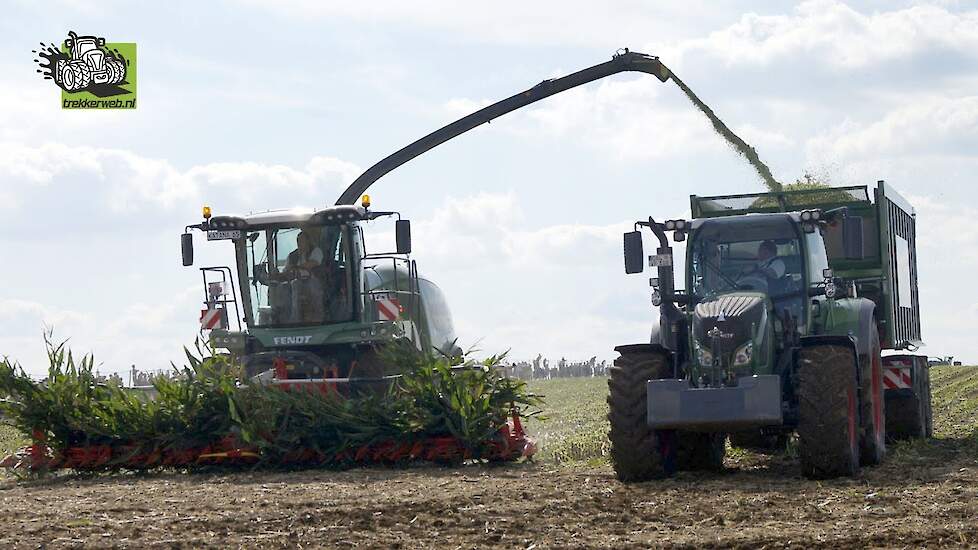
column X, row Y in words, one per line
column 315, row 307
column 789, row 298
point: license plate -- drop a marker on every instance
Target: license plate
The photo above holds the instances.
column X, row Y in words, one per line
column 221, row 235
column 660, row 260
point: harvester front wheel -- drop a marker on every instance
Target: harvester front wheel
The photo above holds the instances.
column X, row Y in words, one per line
column 637, row 453
column 872, row 448
column 828, row 401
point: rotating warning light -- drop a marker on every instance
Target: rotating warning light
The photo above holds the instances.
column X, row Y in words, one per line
column 207, row 212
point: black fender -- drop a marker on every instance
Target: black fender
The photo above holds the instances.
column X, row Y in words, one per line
column 867, row 312
column 643, row 348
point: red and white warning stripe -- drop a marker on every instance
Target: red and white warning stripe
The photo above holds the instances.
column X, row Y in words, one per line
column 897, row 378
column 388, row 309
column 211, row 319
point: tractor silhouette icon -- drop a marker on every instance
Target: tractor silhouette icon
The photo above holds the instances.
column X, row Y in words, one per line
column 87, row 63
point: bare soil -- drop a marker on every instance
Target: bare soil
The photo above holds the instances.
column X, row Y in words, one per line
column 760, row 501
column 924, row 495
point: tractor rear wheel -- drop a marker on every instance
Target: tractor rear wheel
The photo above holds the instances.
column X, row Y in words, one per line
column 872, row 444
column 701, row 451
column 828, row 400
column 637, row 453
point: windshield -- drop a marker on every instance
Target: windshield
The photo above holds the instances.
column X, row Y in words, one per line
column 762, row 254
column 299, row 276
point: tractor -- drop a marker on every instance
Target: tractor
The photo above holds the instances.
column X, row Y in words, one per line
column 315, row 307
column 89, row 63
column 789, row 298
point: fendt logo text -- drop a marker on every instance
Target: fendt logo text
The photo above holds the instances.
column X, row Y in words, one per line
column 92, row 73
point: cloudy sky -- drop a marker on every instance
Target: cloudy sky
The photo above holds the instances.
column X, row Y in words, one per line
column 251, row 105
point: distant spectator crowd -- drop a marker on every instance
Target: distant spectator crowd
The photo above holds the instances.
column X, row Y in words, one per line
column 545, row 369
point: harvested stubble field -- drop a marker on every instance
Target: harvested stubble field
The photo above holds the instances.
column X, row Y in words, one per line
column 925, row 495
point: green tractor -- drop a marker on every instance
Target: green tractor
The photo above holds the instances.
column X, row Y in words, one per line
column 315, row 307
column 790, row 298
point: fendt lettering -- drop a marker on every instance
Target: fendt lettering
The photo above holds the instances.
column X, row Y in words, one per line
column 285, row 340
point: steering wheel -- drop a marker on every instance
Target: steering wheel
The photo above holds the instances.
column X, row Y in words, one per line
column 755, row 282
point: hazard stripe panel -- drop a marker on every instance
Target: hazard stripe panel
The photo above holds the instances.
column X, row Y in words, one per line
column 388, row 310
column 897, row 378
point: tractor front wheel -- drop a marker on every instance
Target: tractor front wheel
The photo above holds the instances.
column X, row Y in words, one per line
column 638, row 453
column 828, row 401
column 75, row 76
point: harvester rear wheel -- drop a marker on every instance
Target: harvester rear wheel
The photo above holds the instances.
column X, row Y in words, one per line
column 872, row 444
column 701, row 451
column 637, row 453
column 828, row 400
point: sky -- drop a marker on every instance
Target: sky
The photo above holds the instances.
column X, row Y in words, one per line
column 247, row 106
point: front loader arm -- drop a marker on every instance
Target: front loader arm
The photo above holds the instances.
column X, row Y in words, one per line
column 621, row 62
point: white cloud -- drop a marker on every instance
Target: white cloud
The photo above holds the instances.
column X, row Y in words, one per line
column 925, row 126
column 832, row 34
column 121, row 180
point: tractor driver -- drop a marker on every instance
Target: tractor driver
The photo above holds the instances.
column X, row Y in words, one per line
column 307, row 287
column 768, row 269
column 305, row 257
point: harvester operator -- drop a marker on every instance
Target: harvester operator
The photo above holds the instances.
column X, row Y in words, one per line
column 305, row 257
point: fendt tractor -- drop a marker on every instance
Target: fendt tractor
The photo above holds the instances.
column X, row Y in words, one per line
column 315, row 306
column 790, row 298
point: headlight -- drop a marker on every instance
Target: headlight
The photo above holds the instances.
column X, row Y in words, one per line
column 704, row 356
column 743, row 354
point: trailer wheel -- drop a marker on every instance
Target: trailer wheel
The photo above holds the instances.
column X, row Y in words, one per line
column 872, row 445
column 701, row 451
column 637, row 454
column 828, row 400
column 906, row 417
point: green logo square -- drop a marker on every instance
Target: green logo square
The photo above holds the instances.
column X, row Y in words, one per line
column 94, row 74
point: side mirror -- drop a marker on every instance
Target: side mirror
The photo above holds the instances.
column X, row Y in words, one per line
column 69, row 43
column 402, row 235
column 187, row 248
column 634, row 254
column 100, row 41
column 852, row 237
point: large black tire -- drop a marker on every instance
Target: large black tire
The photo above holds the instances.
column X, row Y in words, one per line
column 636, row 451
column 701, row 451
column 75, row 76
column 872, row 441
column 367, row 374
column 828, row 424
column 906, row 417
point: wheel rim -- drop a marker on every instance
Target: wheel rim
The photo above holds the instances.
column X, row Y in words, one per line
column 68, row 78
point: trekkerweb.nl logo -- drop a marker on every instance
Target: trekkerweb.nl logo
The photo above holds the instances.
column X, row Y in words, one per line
column 92, row 73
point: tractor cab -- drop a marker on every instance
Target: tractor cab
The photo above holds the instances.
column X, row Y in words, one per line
column 313, row 302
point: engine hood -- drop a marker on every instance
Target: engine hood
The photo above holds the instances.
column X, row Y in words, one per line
column 738, row 316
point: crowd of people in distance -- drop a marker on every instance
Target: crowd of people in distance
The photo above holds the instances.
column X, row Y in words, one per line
column 541, row 368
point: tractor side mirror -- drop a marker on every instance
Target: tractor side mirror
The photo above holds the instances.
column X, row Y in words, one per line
column 402, row 236
column 100, row 41
column 187, row 248
column 634, row 254
column 852, row 237
column 69, row 43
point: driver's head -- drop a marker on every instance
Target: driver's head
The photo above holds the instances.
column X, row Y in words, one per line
column 767, row 250
column 302, row 241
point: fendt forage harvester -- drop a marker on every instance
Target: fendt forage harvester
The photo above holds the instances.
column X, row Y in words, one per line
column 317, row 307
column 790, row 297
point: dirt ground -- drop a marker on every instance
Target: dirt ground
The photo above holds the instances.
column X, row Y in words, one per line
column 926, row 494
